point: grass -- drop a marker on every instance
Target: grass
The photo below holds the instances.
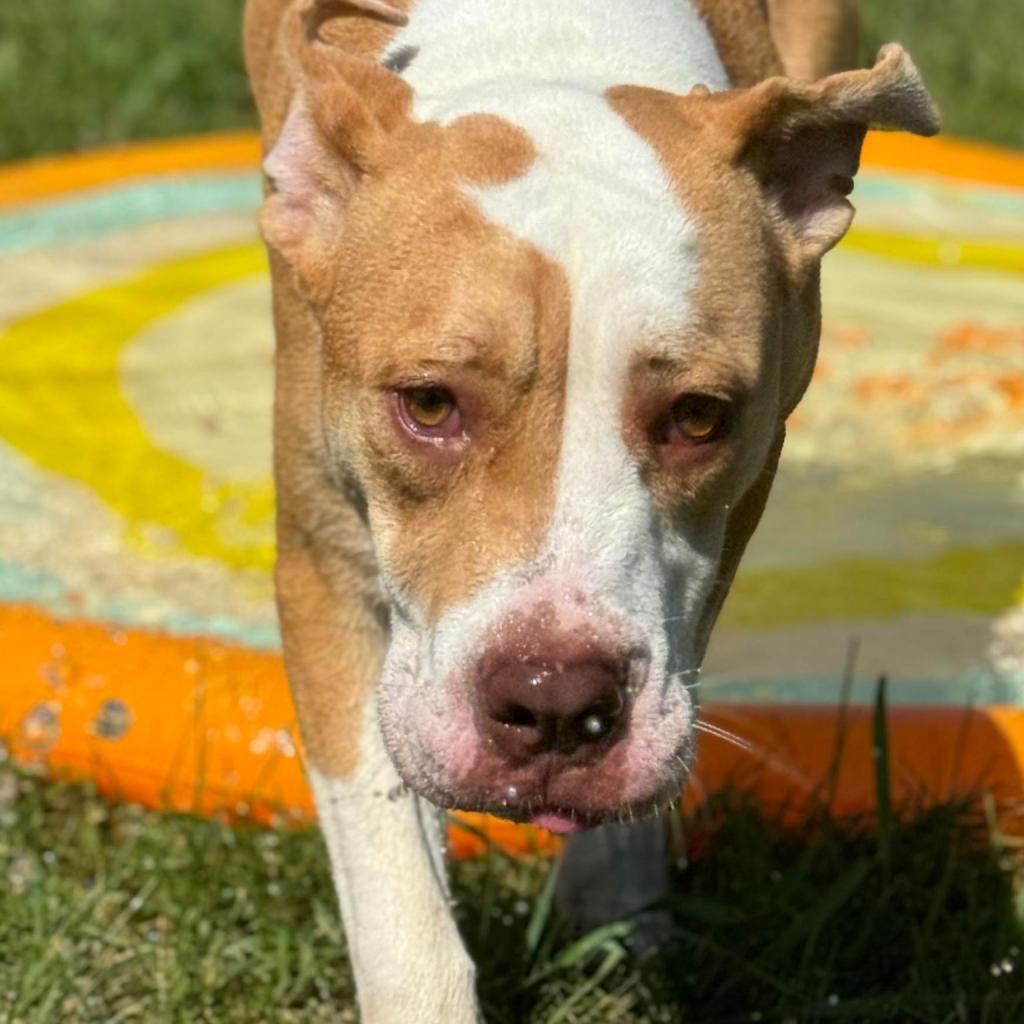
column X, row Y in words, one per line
column 77, row 73
column 113, row 913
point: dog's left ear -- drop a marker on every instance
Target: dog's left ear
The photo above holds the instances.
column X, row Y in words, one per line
column 344, row 110
column 803, row 139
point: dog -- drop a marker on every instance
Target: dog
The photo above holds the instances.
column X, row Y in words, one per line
column 545, row 289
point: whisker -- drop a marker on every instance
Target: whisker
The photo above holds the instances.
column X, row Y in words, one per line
column 764, row 754
column 724, row 734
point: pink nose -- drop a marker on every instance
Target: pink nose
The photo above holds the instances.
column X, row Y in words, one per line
column 530, row 708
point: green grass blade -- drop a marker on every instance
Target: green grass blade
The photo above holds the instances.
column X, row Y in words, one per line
column 883, row 780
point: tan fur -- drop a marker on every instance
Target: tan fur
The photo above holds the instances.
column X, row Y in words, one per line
column 444, row 285
column 328, row 596
column 806, row 39
column 386, row 275
column 393, row 269
column 815, row 37
column 740, row 31
column 755, row 325
column 414, row 251
column 757, row 303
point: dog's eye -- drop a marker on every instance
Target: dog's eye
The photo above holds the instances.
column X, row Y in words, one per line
column 699, row 419
column 428, row 407
column 429, row 410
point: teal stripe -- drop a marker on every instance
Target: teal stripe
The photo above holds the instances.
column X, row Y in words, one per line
column 121, row 206
column 20, row 585
column 896, row 188
column 99, row 213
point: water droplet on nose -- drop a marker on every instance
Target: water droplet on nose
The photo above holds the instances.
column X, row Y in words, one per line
column 536, row 679
column 512, row 793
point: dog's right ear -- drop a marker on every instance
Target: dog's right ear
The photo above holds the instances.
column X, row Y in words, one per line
column 343, row 110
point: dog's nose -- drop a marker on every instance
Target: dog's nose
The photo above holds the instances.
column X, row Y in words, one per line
column 570, row 707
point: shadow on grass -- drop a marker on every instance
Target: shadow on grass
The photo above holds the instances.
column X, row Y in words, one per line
column 774, row 923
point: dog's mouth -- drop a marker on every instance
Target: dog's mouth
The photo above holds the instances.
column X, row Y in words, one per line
column 565, row 802
column 568, row 820
column 566, row 805
column 558, row 819
column 565, row 822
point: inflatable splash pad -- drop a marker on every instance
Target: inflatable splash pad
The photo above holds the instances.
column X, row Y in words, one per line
column 138, row 643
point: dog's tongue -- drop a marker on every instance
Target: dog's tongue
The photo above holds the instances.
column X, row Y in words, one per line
column 560, row 824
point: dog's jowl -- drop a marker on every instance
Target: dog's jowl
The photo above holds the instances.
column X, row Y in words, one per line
column 545, row 291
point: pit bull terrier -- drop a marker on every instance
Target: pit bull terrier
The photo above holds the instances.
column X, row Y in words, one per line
column 546, row 287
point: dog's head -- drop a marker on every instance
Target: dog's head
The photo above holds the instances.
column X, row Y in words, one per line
column 562, row 331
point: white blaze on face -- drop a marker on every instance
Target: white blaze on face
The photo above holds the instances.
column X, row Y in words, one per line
column 598, row 203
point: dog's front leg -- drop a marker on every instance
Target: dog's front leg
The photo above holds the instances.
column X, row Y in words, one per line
column 387, row 857
column 385, row 845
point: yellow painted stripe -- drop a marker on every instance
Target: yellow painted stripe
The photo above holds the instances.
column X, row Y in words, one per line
column 31, row 180
column 939, row 251
column 61, row 405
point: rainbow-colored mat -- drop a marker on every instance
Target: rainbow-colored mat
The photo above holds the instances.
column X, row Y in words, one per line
column 137, row 626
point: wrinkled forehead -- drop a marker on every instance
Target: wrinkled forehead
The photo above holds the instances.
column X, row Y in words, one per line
column 660, row 249
column 552, row 197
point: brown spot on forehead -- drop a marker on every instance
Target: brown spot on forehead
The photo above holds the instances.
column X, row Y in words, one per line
column 431, row 291
column 748, row 286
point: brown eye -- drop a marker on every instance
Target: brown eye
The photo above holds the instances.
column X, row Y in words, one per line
column 698, row 419
column 429, row 410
